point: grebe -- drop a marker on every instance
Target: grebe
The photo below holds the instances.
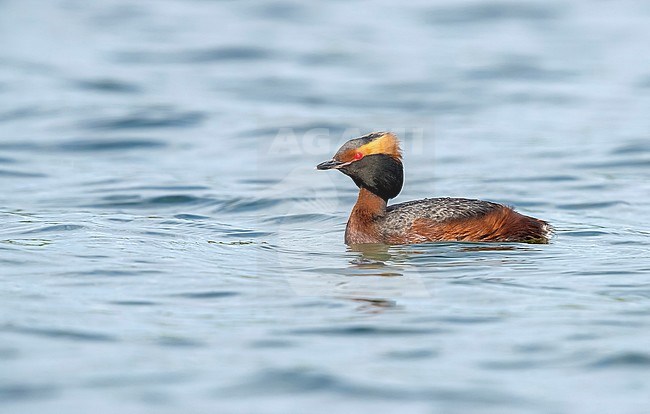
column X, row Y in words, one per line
column 374, row 162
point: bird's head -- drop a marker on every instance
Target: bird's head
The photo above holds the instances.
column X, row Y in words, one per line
column 373, row 161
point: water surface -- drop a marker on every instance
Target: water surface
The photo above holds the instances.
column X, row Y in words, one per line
column 167, row 245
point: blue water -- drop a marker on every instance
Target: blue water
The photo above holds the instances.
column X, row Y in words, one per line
column 167, row 246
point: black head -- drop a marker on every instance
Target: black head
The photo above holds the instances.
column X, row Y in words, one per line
column 373, row 162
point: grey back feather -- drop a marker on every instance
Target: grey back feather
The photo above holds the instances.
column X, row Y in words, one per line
column 399, row 217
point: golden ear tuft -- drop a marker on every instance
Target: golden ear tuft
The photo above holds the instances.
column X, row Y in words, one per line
column 386, row 144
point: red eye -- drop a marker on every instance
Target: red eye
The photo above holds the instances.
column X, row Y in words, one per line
column 358, row 156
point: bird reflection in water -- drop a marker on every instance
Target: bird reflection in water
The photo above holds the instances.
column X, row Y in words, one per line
column 372, row 261
column 375, row 305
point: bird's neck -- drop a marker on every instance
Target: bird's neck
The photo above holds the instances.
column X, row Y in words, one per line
column 369, row 203
column 362, row 225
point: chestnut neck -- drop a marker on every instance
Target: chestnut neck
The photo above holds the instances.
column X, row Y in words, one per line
column 362, row 225
column 369, row 205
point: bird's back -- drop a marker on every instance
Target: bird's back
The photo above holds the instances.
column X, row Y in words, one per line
column 434, row 219
column 400, row 216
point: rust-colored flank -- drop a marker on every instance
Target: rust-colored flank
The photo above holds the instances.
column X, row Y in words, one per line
column 503, row 224
column 373, row 161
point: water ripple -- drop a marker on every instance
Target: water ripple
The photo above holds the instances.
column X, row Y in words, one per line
column 281, row 11
column 115, row 144
column 494, row 12
column 7, row 160
column 130, row 380
column 190, row 217
column 137, row 201
column 26, row 392
column 108, row 86
column 584, row 233
column 178, row 342
column 300, row 218
column 25, row 113
column 591, row 206
column 513, row 70
column 208, row 55
column 244, row 204
column 635, row 148
column 413, row 354
column 364, row 330
column 56, row 228
column 134, row 303
column 67, row 334
column 207, row 295
column 20, row 174
column 147, row 119
column 624, row 360
column 297, row 381
column 624, row 163
column 297, row 130
column 82, row 145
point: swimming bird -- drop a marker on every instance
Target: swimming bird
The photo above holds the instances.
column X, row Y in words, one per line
column 374, row 162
